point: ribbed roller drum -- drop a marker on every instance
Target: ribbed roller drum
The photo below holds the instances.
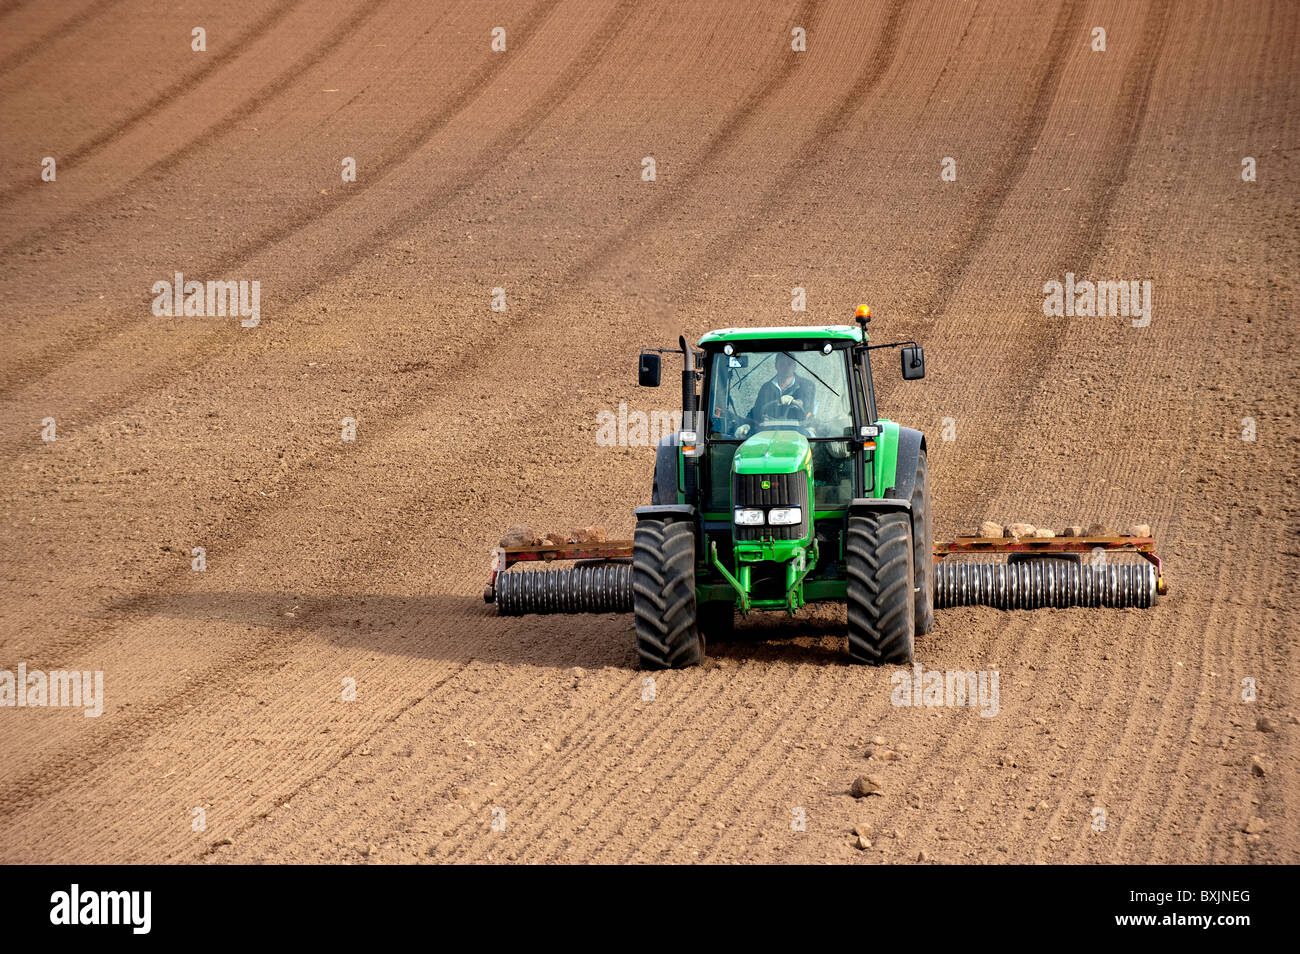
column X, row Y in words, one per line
column 1034, row 584
column 587, row 588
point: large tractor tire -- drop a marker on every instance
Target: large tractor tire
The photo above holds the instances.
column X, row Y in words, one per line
column 663, row 595
column 923, row 547
column 882, row 607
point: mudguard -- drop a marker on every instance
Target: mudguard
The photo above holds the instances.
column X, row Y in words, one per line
column 910, row 444
column 665, row 479
column 861, row 505
column 665, row 511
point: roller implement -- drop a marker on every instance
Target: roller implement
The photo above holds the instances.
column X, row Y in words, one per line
column 785, row 487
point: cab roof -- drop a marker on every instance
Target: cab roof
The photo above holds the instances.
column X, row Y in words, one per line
column 784, row 333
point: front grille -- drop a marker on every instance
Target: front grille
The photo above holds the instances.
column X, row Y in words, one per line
column 783, row 490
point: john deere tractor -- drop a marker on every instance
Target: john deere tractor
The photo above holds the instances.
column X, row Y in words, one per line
column 784, row 487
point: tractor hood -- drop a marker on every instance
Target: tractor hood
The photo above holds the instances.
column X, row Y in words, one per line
column 773, row 452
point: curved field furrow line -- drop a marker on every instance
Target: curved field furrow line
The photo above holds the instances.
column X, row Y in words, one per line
column 70, row 25
column 12, row 6
column 584, row 62
column 861, row 85
column 191, row 81
column 1065, row 31
column 262, row 654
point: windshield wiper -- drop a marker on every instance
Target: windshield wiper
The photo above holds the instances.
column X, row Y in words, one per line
column 811, row 371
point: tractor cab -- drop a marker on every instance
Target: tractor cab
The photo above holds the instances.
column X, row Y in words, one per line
column 796, row 390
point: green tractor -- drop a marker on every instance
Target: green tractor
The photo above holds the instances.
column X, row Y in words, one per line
column 784, row 487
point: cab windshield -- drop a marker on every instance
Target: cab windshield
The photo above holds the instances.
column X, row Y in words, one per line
column 804, row 391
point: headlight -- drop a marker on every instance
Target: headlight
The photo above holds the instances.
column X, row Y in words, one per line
column 785, row 517
column 749, row 518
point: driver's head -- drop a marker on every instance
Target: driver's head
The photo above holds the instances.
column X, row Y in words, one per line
column 784, row 369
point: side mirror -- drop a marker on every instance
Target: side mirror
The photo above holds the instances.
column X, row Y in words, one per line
column 648, row 370
column 913, row 363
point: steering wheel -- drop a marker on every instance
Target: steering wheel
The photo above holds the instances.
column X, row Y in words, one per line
column 788, row 412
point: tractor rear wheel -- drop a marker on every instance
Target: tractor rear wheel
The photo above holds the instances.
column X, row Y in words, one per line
column 663, row 595
column 923, row 547
column 881, row 604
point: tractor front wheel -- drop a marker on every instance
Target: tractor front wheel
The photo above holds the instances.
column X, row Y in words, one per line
column 663, row 595
column 881, row 603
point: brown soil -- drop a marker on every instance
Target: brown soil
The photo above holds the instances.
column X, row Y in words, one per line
column 330, row 560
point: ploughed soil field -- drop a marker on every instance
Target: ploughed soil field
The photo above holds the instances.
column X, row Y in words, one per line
column 335, row 568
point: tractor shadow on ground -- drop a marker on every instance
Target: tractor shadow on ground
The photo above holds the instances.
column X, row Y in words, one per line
column 461, row 629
